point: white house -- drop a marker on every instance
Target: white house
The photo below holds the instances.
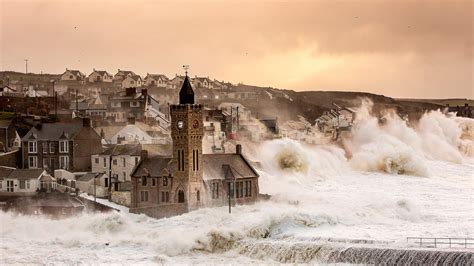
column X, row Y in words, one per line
column 70, row 74
column 22, row 182
column 122, row 74
column 132, row 82
column 100, row 76
column 175, row 83
column 137, row 133
column 158, row 80
column 202, row 82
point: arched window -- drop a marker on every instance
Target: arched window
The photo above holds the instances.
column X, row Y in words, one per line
column 180, row 196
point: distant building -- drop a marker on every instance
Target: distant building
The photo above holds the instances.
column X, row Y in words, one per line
column 335, row 120
column 202, row 82
column 133, row 133
column 60, row 146
column 122, row 74
column 188, row 179
column 132, row 82
column 157, row 80
column 463, row 111
column 23, row 182
column 95, row 108
column 175, row 83
column 117, row 161
column 100, row 76
column 70, row 74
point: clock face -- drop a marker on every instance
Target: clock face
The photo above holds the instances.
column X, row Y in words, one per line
column 195, row 123
column 180, row 124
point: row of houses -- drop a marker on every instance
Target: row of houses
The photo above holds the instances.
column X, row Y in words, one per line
column 128, row 78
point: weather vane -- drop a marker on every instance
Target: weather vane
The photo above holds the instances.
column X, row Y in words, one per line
column 186, row 67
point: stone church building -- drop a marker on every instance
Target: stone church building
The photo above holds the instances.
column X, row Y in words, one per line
column 188, row 180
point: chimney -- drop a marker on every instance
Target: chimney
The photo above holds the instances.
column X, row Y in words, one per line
column 86, row 122
column 144, row 92
column 130, row 91
column 238, row 149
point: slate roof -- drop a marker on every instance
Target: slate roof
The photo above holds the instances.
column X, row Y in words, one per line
column 227, row 165
column 12, row 173
column 101, row 72
column 76, row 72
column 109, row 131
column 153, row 166
column 123, row 149
column 53, row 131
column 89, row 176
column 157, row 76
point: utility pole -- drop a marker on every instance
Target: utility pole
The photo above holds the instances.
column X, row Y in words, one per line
column 26, row 66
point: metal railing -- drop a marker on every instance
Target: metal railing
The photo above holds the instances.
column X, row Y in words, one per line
column 442, row 242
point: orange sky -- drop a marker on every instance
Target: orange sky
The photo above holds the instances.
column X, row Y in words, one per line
column 420, row 49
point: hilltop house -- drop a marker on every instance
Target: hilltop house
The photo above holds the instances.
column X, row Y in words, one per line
column 175, row 83
column 335, row 120
column 157, row 80
column 202, row 82
column 70, row 74
column 100, row 76
column 188, row 179
column 95, row 108
column 132, row 82
column 122, row 74
column 60, row 146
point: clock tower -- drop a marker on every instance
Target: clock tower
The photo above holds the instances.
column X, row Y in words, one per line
column 187, row 133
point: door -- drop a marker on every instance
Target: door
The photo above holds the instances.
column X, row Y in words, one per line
column 10, row 186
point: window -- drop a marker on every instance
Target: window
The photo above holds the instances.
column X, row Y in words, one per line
column 124, row 161
column 115, row 161
column 231, row 189
column 32, row 162
column 163, row 197
column 105, row 162
column 215, row 190
column 22, row 184
column 106, row 182
column 124, row 176
column 167, row 196
column 45, row 147
column 115, row 104
column 180, row 196
column 32, row 147
column 194, row 160
column 64, row 162
column 45, row 163
column 165, row 181
column 248, row 192
column 134, row 104
column 136, row 160
column 182, row 160
column 51, row 163
column 153, row 182
column 51, row 147
column 179, row 160
column 144, row 195
column 97, row 160
column 198, row 195
column 143, row 181
column 63, row 146
column 237, row 190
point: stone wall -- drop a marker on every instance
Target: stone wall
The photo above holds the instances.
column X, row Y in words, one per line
column 122, row 197
column 162, row 211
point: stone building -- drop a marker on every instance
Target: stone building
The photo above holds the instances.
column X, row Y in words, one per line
column 189, row 179
column 66, row 146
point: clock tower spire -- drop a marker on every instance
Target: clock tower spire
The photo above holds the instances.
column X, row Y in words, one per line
column 187, row 132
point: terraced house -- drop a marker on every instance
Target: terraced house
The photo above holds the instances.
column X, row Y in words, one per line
column 54, row 146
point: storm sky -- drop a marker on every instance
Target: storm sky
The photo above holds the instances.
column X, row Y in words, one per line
column 414, row 49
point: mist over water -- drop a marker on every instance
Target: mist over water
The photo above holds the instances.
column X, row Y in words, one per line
column 387, row 180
